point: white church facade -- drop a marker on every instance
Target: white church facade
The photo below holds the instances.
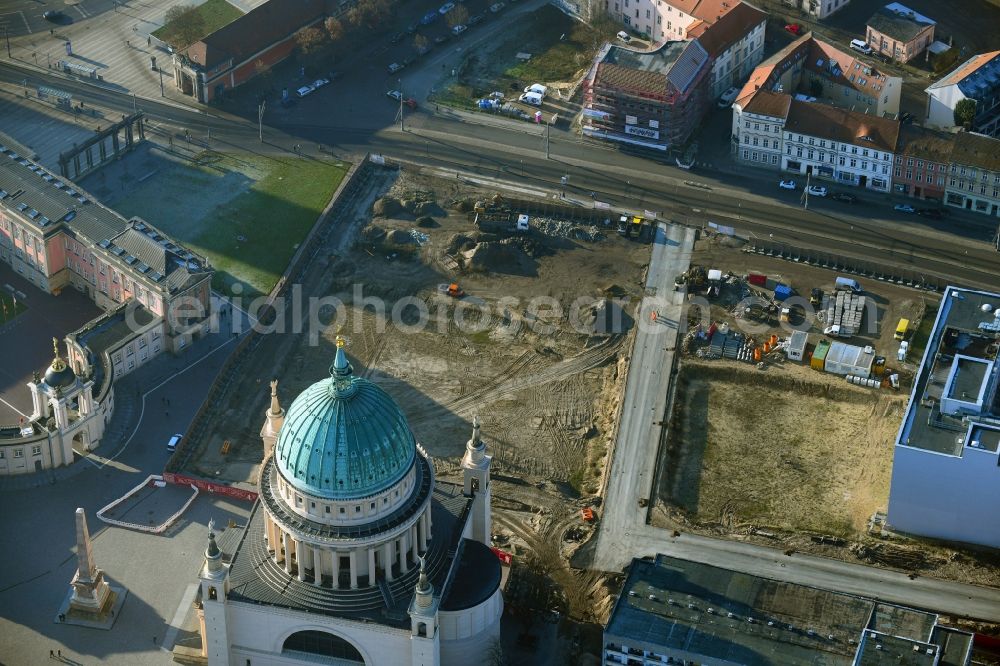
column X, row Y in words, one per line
column 353, row 553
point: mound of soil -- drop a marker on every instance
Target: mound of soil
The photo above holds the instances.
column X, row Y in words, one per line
column 386, row 207
column 459, row 243
column 400, row 237
column 427, row 222
column 499, row 257
column 373, row 233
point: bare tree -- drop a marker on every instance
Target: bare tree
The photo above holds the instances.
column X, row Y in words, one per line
column 458, row 16
column 495, row 656
column 185, row 25
column 313, row 45
column 334, row 29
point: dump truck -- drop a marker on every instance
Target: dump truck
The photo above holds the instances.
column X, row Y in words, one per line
column 495, row 216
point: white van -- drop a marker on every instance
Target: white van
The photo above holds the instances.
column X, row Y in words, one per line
column 848, row 284
column 172, row 444
column 728, row 97
column 531, row 98
column 624, row 36
column 536, row 88
column 861, row 45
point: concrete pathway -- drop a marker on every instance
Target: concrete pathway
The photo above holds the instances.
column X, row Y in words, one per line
column 640, row 422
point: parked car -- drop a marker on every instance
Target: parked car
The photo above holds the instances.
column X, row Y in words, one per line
column 397, row 38
column 933, row 213
column 319, row 83
column 174, row 441
column 496, row 7
column 844, row 196
column 794, row 28
column 394, row 67
column 787, row 184
column 816, row 191
column 52, row 15
column 861, row 45
column 624, row 36
column 429, row 18
column 441, row 39
column 445, row 8
column 903, row 208
column 537, row 88
column 532, row 98
column 408, row 101
column 304, row 90
column 477, row 19
column 727, row 98
column 458, row 29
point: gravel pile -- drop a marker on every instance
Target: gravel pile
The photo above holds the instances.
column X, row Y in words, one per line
column 563, row 229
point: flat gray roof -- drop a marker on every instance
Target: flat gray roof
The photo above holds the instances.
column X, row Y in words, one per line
column 966, row 325
column 675, row 604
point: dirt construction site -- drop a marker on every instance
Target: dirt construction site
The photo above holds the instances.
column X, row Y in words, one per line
column 458, row 311
column 788, row 453
column 532, row 339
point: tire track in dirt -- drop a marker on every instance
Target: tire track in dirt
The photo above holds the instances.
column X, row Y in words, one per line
column 506, row 384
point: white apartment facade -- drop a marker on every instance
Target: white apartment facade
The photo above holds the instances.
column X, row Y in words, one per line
column 819, row 8
column 758, row 129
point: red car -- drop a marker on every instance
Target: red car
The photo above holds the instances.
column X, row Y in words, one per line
column 794, row 28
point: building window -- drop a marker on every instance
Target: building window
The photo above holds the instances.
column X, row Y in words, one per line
column 746, row 154
column 357, row 509
column 18, row 453
column 342, row 511
column 774, row 159
column 36, row 450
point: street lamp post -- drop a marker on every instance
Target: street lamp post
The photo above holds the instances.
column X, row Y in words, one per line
column 260, row 120
column 401, row 128
column 6, row 37
column 160, row 70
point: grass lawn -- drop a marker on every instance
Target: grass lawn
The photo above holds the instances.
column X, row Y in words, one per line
column 8, row 309
column 214, row 14
column 246, row 212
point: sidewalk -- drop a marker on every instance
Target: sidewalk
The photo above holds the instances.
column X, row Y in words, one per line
column 115, row 44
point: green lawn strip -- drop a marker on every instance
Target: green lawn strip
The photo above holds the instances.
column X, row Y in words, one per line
column 272, row 218
column 214, row 14
column 9, row 309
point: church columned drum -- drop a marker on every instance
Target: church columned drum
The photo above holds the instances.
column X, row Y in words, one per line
column 353, row 551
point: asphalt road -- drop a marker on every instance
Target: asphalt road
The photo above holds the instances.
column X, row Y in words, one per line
column 24, row 17
column 958, row 249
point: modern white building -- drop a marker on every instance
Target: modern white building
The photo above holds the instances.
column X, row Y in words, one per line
column 945, row 470
column 978, row 79
column 353, row 554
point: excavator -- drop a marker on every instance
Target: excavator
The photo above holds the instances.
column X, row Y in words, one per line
column 452, row 290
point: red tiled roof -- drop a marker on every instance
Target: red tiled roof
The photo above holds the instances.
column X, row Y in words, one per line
column 257, row 29
column 730, row 28
column 768, row 103
column 626, row 78
column 976, row 150
column 854, row 73
column 927, row 144
column 830, row 122
column 967, row 68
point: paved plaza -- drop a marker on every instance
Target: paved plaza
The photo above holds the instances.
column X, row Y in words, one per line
column 26, row 340
column 115, row 44
column 152, row 403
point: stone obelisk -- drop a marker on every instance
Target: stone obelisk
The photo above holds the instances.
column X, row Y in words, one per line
column 90, row 590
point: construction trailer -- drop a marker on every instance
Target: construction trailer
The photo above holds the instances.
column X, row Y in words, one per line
column 796, row 349
column 845, row 359
column 818, row 360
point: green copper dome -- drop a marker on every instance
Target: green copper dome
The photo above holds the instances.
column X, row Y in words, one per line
column 344, row 437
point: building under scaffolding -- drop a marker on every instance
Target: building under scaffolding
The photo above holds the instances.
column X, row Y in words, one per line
column 653, row 99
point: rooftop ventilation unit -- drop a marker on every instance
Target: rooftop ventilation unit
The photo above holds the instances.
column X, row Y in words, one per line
column 104, row 243
column 143, row 268
column 130, row 260
column 59, row 184
column 117, row 251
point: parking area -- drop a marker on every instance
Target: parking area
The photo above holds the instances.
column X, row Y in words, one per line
column 30, row 334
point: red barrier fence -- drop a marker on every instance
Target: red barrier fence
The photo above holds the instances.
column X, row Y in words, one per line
column 210, row 486
column 504, row 556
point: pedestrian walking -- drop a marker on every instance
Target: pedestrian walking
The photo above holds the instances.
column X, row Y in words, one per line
column 59, row 653
column 149, row 41
column 127, row 45
column 154, row 640
column 52, row 654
